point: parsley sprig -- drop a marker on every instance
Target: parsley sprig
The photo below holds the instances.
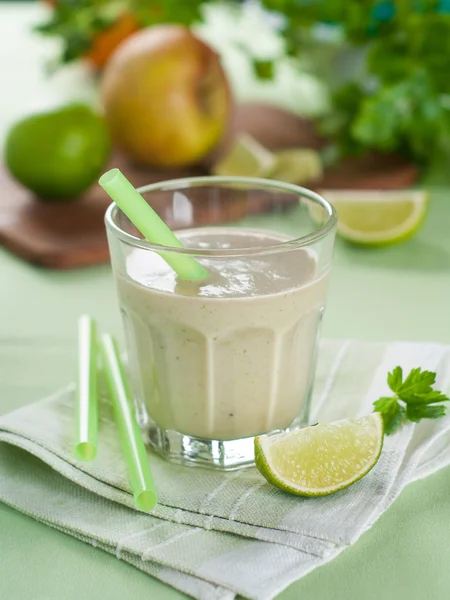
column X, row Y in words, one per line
column 414, row 399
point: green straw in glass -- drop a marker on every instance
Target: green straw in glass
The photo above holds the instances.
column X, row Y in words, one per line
column 136, row 458
column 152, row 227
column 86, row 394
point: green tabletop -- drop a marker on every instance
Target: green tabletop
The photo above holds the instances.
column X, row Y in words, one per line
column 392, row 293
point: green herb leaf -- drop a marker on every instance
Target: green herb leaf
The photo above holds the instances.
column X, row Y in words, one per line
column 392, row 412
column 417, row 412
column 395, row 379
column 428, row 398
column 414, row 399
column 417, row 382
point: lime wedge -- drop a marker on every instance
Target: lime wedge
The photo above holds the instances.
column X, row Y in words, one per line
column 246, row 158
column 378, row 217
column 297, row 165
column 321, row 460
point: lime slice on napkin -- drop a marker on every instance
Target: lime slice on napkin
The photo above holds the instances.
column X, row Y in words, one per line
column 378, row 217
column 297, row 165
column 321, row 460
column 246, row 158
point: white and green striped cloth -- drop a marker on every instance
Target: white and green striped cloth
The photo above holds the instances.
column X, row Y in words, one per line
column 215, row 535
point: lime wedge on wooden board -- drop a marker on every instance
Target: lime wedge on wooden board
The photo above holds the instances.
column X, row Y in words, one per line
column 323, row 459
column 297, row 165
column 246, row 158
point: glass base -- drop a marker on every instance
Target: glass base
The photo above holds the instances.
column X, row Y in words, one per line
column 227, row 455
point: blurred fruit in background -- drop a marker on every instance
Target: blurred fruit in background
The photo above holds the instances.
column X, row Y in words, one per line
column 166, row 97
column 167, row 101
column 245, row 158
column 92, row 29
column 89, row 30
column 380, row 66
column 58, row 154
column 248, row 158
column 106, row 41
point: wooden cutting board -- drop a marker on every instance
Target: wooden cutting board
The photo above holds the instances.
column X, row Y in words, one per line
column 64, row 235
column 73, row 234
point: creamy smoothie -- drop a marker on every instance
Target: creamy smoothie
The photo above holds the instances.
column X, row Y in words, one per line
column 231, row 356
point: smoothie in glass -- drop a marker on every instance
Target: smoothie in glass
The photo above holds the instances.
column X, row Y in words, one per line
column 229, row 357
column 212, row 363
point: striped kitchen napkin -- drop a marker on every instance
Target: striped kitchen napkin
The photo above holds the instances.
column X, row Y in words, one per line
column 214, row 535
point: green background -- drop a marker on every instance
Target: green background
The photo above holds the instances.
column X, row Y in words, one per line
column 398, row 293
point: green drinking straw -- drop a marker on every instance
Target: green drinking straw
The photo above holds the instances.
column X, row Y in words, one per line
column 136, row 458
column 86, row 394
column 152, row 227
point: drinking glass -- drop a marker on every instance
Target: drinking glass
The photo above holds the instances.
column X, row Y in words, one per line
column 215, row 362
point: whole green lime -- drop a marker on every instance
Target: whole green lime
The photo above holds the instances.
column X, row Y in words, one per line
column 59, row 154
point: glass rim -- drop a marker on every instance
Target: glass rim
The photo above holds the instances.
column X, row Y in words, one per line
column 177, row 184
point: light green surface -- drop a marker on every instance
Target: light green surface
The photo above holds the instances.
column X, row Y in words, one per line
column 394, row 293
column 401, row 292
